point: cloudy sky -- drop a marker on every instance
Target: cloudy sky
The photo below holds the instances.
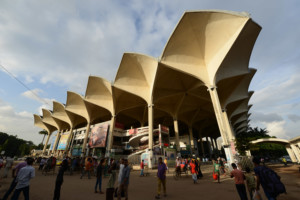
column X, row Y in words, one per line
column 54, row 47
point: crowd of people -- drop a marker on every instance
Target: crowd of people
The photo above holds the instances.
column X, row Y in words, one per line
column 263, row 176
column 117, row 185
column 192, row 164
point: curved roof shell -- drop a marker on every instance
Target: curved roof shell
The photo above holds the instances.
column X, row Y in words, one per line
column 211, row 45
column 99, row 92
column 39, row 122
column 59, row 113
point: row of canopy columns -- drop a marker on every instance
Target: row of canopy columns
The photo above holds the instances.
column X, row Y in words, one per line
column 222, row 120
column 219, row 115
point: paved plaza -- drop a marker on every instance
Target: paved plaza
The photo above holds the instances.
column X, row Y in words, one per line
column 144, row 188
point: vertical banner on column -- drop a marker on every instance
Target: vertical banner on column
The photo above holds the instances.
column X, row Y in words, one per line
column 98, row 135
column 233, row 150
column 63, row 141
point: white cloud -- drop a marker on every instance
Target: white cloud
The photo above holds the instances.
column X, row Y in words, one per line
column 35, row 95
column 18, row 123
column 277, row 128
column 262, row 117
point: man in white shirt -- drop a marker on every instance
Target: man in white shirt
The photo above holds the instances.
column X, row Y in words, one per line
column 121, row 171
column 8, row 165
column 23, row 178
column 123, row 184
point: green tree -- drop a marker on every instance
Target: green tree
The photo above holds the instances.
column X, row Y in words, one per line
column 14, row 146
column 263, row 149
column 243, row 139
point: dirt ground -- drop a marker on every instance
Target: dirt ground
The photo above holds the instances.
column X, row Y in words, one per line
column 144, row 188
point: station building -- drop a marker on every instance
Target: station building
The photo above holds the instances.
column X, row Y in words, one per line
column 198, row 89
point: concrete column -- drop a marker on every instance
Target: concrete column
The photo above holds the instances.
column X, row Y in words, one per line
column 296, row 152
column 176, row 129
column 71, row 145
column 150, row 133
column 111, row 133
column 45, row 146
column 85, row 139
column 201, row 144
column 222, row 127
column 191, row 137
column 56, row 141
column 229, row 129
column 291, row 154
column 208, row 146
column 216, row 144
column 212, row 143
column 69, row 140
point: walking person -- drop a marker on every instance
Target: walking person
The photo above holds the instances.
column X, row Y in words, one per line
column 198, row 168
column 161, row 178
column 95, row 165
column 178, row 167
column 87, row 168
column 268, row 179
column 250, row 181
column 73, row 165
column 23, row 178
column 193, row 171
column 111, row 181
column 216, row 170
column 142, row 168
column 222, row 167
column 284, row 161
column 239, row 179
column 13, row 184
column 7, row 166
column 124, row 181
column 99, row 173
column 60, row 179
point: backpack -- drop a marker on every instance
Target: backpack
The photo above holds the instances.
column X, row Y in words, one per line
column 271, row 182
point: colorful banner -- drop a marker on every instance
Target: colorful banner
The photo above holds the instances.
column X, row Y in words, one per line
column 170, row 154
column 145, row 157
column 98, row 135
column 63, row 141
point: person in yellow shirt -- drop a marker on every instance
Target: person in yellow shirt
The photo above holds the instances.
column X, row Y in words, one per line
column 166, row 163
column 284, row 161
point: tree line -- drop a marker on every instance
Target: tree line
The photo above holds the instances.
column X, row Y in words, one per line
column 12, row 146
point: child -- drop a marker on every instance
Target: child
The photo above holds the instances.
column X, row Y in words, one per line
column 142, row 168
column 216, row 170
column 250, row 180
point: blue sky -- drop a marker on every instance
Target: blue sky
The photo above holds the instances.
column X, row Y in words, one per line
column 54, row 46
